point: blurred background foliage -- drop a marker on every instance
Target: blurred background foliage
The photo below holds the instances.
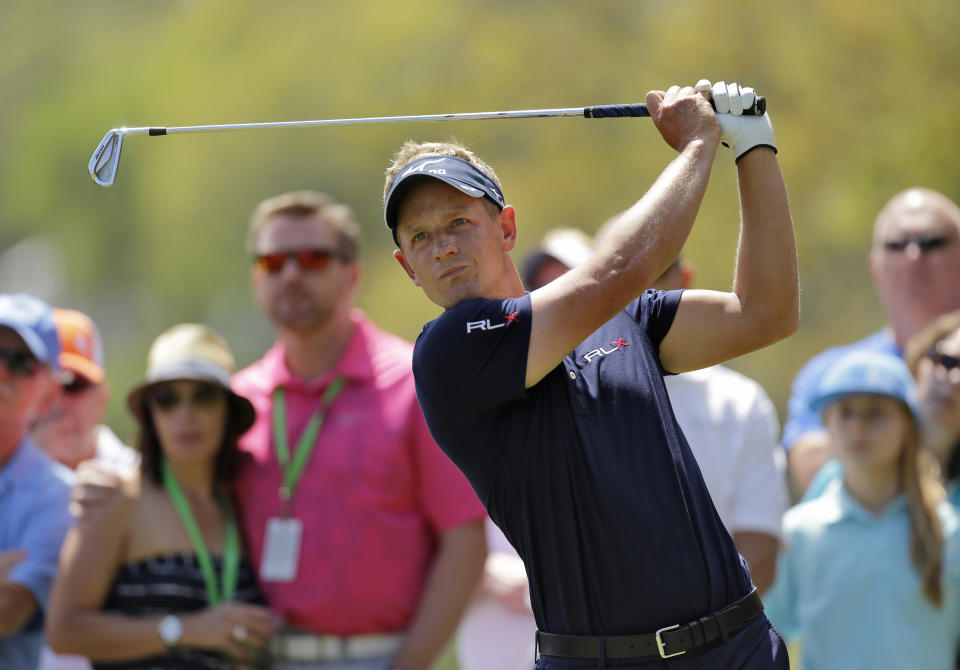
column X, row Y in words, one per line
column 863, row 95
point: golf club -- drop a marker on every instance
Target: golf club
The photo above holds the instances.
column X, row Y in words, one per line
column 106, row 159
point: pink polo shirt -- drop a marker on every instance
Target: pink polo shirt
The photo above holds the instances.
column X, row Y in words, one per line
column 374, row 496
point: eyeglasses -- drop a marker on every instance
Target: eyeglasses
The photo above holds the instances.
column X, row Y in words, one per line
column 19, row 363
column 925, row 243
column 945, row 361
column 168, row 398
column 308, row 260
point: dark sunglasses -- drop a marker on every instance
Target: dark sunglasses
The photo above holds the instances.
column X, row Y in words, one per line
column 925, row 243
column 308, row 260
column 168, row 398
column 945, row 361
column 19, row 363
column 77, row 385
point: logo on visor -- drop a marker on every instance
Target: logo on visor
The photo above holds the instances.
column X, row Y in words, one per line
column 487, row 325
column 422, row 168
column 601, row 351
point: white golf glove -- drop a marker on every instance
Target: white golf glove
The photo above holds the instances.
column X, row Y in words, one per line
column 743, row 133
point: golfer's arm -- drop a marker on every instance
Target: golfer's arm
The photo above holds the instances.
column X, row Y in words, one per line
column 452, row 579
column 764, row 306
column 639, row 247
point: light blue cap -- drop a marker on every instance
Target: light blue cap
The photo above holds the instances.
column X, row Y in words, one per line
column 32, row 319
column 869, row 372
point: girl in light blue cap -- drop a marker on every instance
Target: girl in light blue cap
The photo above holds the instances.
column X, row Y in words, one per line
column 868, row 576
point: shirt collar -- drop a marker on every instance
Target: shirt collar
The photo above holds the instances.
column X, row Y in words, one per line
column 849, row 508
column 354, row 365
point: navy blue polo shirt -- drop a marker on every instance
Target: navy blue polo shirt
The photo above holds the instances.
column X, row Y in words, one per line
column 587, row 473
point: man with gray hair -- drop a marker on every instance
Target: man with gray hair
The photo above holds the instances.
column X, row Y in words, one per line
column 34, row 491
column 915, row 266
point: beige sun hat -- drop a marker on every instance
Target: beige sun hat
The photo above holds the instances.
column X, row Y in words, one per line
column 193, row 352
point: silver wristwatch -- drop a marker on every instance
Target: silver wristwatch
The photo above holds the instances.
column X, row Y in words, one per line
column 170, row 629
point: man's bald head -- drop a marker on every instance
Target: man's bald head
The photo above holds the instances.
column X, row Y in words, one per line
column 915, row 259
column 915, row 202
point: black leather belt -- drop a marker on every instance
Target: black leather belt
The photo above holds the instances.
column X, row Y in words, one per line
column 666, row 642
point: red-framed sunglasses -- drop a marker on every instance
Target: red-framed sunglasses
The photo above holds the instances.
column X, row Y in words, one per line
column 308, row 260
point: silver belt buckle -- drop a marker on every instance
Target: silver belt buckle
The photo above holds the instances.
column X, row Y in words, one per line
column 659, row 640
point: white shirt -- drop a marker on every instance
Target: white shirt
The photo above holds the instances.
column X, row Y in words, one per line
column 732, row 429
column 490, row 636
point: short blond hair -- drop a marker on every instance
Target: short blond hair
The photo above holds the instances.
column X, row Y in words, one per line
column 411, row 151
column 309, row 205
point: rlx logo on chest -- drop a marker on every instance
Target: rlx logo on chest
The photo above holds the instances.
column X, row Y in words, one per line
column 602, row 351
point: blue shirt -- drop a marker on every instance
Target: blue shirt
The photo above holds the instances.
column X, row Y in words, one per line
column 34, row 494
column 800, row 418
column 587, row 472
column 846, row 587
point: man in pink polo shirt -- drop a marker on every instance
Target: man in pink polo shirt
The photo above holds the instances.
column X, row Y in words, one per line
column 368, row 539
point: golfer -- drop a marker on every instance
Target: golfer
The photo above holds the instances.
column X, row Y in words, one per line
column 553, row 402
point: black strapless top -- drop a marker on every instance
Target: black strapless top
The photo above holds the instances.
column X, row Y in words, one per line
column 173, row 584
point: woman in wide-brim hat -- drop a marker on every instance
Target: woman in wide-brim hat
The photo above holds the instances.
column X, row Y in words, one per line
column 160, row 578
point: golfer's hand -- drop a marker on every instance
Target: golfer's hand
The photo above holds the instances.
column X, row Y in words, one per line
column 743, row 133
column 682, row 116
column 96, row 485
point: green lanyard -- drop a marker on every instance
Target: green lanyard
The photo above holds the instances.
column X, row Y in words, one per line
column 293, row 470
column 231, row 541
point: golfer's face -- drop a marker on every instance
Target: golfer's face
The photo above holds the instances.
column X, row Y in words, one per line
column 450, row 243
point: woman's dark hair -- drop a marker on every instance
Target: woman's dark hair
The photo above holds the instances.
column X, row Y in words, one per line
column 917, row 348
column 227, row 460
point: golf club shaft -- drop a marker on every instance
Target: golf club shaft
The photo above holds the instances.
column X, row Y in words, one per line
column 105, row 162
column 594, row 112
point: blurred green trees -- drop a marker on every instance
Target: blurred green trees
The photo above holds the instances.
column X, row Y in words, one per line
column 863, row 96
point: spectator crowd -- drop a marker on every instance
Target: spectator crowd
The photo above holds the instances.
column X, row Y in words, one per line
column 298, row 513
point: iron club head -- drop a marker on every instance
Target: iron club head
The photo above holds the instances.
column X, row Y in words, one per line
column 106, row 159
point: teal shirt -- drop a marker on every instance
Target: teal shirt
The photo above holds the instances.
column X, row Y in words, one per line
column 953, row 494
column 846, row 587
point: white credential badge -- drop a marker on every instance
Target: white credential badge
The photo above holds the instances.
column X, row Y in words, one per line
column 281, row 551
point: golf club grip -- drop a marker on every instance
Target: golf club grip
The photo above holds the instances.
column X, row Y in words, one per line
column 639, row 110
